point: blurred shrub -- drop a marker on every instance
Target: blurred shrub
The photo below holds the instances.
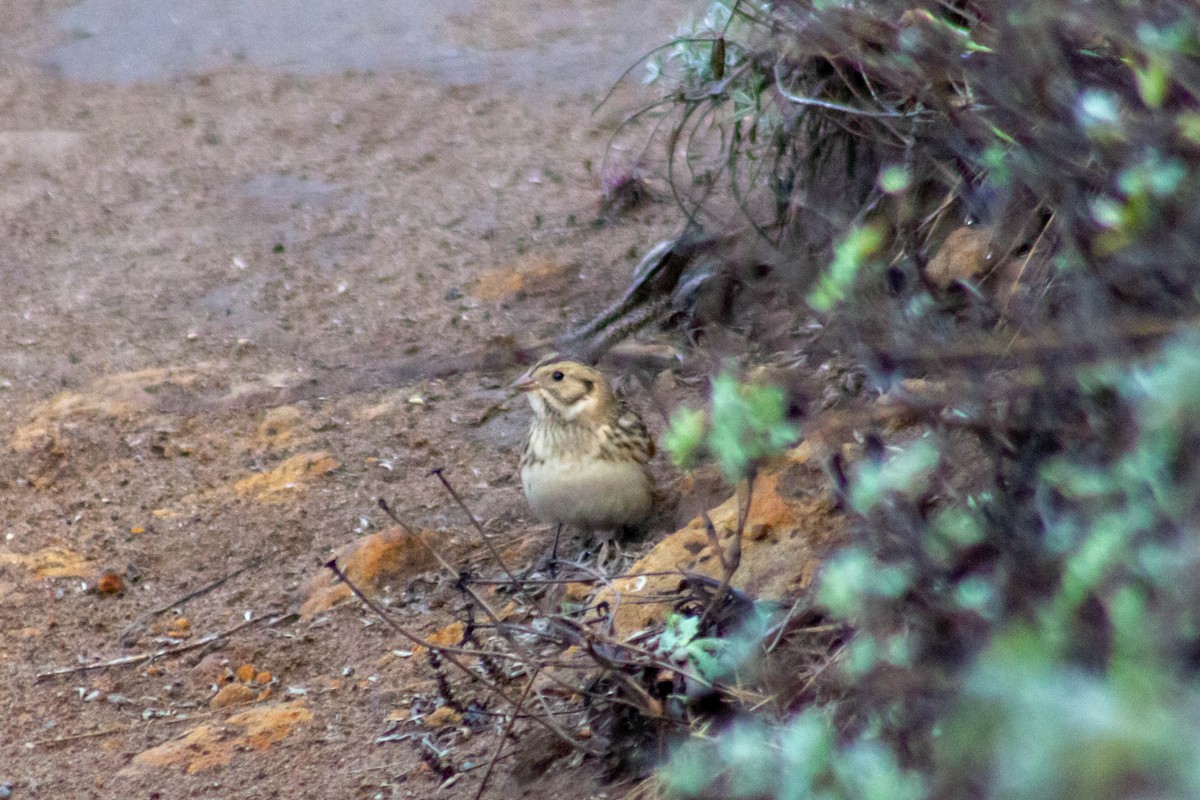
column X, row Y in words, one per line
column 748, row 423
column 1070, row 128
column 1027, row 620
column 1041, row 650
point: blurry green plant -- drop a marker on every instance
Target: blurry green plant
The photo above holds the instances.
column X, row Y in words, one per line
column 799, row 760
column 850, row 257
column 1060, row 704
column 714, row 658
column 907, row 472
column 695, row 52
column 1046, row 710
column 747, row 423
column 1026, row 625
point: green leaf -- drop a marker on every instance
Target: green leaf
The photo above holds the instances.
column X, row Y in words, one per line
column 678, row 632
column 907, row 473
column 1152, row 82
column 685, row 437
column 894, row 179
column 850, row 256
column 748, row 423
column 710, row 658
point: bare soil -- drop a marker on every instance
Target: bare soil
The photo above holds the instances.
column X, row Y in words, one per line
column 202, row 278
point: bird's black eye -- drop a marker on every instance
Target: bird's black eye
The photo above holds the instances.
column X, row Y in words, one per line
column 558, row 376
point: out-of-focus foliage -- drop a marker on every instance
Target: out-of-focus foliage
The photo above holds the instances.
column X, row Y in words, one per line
column 713, row 658
column 1024, row 579
column 1041, row 642
column 855, row 136
column 748, row 423
column 798, row 760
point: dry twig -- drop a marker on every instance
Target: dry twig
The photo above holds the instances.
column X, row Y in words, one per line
column 125, row 661
column 440, row 473
column 732, row 560
column 140, row 623
column 446, row 652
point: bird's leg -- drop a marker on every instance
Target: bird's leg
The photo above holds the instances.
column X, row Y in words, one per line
column 610, row 549
column 602, row 555
column 618, row 556
column 554, row 550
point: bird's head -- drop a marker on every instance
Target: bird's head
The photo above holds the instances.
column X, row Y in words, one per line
column 565, row 389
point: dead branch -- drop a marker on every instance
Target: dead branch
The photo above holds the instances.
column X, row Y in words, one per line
column 495, row 687
column 441, row 476
column 125, row 661
column 732, row 560
column 126, row 639
column 504, row 735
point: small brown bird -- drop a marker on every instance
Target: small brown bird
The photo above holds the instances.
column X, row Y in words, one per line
column 585, row 460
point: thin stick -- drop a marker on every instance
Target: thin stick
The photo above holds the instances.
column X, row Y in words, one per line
column 585, row 576
column 1021, row 272
column 714, row 541
column 491, row 614
column 412, row 637
column 732, row 560
column 446, row 650
column 203, row 590
column 483, row 534
column 122, row 728
column 76, row 737
column 125, row 661
column 383, row 504
column 782, row 626
column 504, row 735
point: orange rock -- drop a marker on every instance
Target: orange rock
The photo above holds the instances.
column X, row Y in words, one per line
column 265, row 726
column 791, row 526
column 207, row 746
column 200, row 748
column 110, row 583
column 233, row 694
column 443, row 717
column 51, row 562
column 245, row 673
column 449, row 636
column 577, row 593
column 292, row 476
column 371, row 563
column 262, row 678
column 125, row 394
column 278, row 427
column 535, row 274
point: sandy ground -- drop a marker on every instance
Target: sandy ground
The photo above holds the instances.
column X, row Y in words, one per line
column 211, row 287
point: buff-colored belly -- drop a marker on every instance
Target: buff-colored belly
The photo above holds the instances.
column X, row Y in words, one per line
column 592, row 494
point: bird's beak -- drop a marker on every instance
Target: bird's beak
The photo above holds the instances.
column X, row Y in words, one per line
column 524, row 383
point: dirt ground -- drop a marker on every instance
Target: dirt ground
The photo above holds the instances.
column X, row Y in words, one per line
column 214, row 291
